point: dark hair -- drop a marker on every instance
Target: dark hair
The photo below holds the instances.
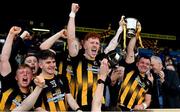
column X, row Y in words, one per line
column 44, row 54
column 30, row 53
column 143, row 56
column 92, row 35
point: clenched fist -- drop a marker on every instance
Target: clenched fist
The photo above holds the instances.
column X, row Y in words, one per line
column 39, row 81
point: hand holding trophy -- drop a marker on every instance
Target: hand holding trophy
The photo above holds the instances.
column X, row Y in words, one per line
column 131, row 28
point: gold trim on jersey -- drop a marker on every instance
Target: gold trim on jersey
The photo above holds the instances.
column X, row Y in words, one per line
column 134, row 85
column 71, row 79
column 132, row 91
column 125, row 82
column 60, row 67
column 51, row 103
column 4, row 98
column 16, row 103
column 79, row 78
column 142, row 91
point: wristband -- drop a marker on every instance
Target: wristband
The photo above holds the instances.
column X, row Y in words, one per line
column 78, row 109
column 100, row 81
column 144, row 105
column 72, row 14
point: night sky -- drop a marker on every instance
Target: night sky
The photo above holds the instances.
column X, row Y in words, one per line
column 157, row 17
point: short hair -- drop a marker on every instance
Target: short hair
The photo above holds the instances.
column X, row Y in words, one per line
column 21, row 66
column 44, row 54
column 157, row 58
column 30, row 53
column 143, row 56
column 92, row 35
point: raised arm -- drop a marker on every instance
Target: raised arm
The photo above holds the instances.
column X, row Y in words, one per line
column 19, row 45
column 73, row 43
column 116, row 39
column 98, row 95
column 130, row 58
column 51, row 40
column 6, row 50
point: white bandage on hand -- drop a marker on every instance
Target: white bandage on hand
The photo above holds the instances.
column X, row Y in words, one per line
column 72, row 14
column 144, row 105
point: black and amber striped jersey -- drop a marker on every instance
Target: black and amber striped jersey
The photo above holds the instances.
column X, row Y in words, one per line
column 7, row 82
column 11, row 98
column 133, row 88
column 85, row 75
column 52, row 98
column 70, row 76
column 65, row 68
column 61, row 61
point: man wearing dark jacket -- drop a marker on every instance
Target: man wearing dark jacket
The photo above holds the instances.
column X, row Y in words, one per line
column 166, row 86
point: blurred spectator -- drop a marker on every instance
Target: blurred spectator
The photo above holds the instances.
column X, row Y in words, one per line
column 166, row 86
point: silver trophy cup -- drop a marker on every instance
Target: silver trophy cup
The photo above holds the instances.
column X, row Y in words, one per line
column 131, row 27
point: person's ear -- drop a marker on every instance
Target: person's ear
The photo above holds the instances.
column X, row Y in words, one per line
column 40, row 65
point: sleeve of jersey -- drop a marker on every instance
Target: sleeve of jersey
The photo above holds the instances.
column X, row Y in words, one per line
column 8, row 82
column 18, row 45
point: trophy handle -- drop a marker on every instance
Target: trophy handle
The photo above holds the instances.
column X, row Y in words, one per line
column 123, row 24
column 138, row 34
